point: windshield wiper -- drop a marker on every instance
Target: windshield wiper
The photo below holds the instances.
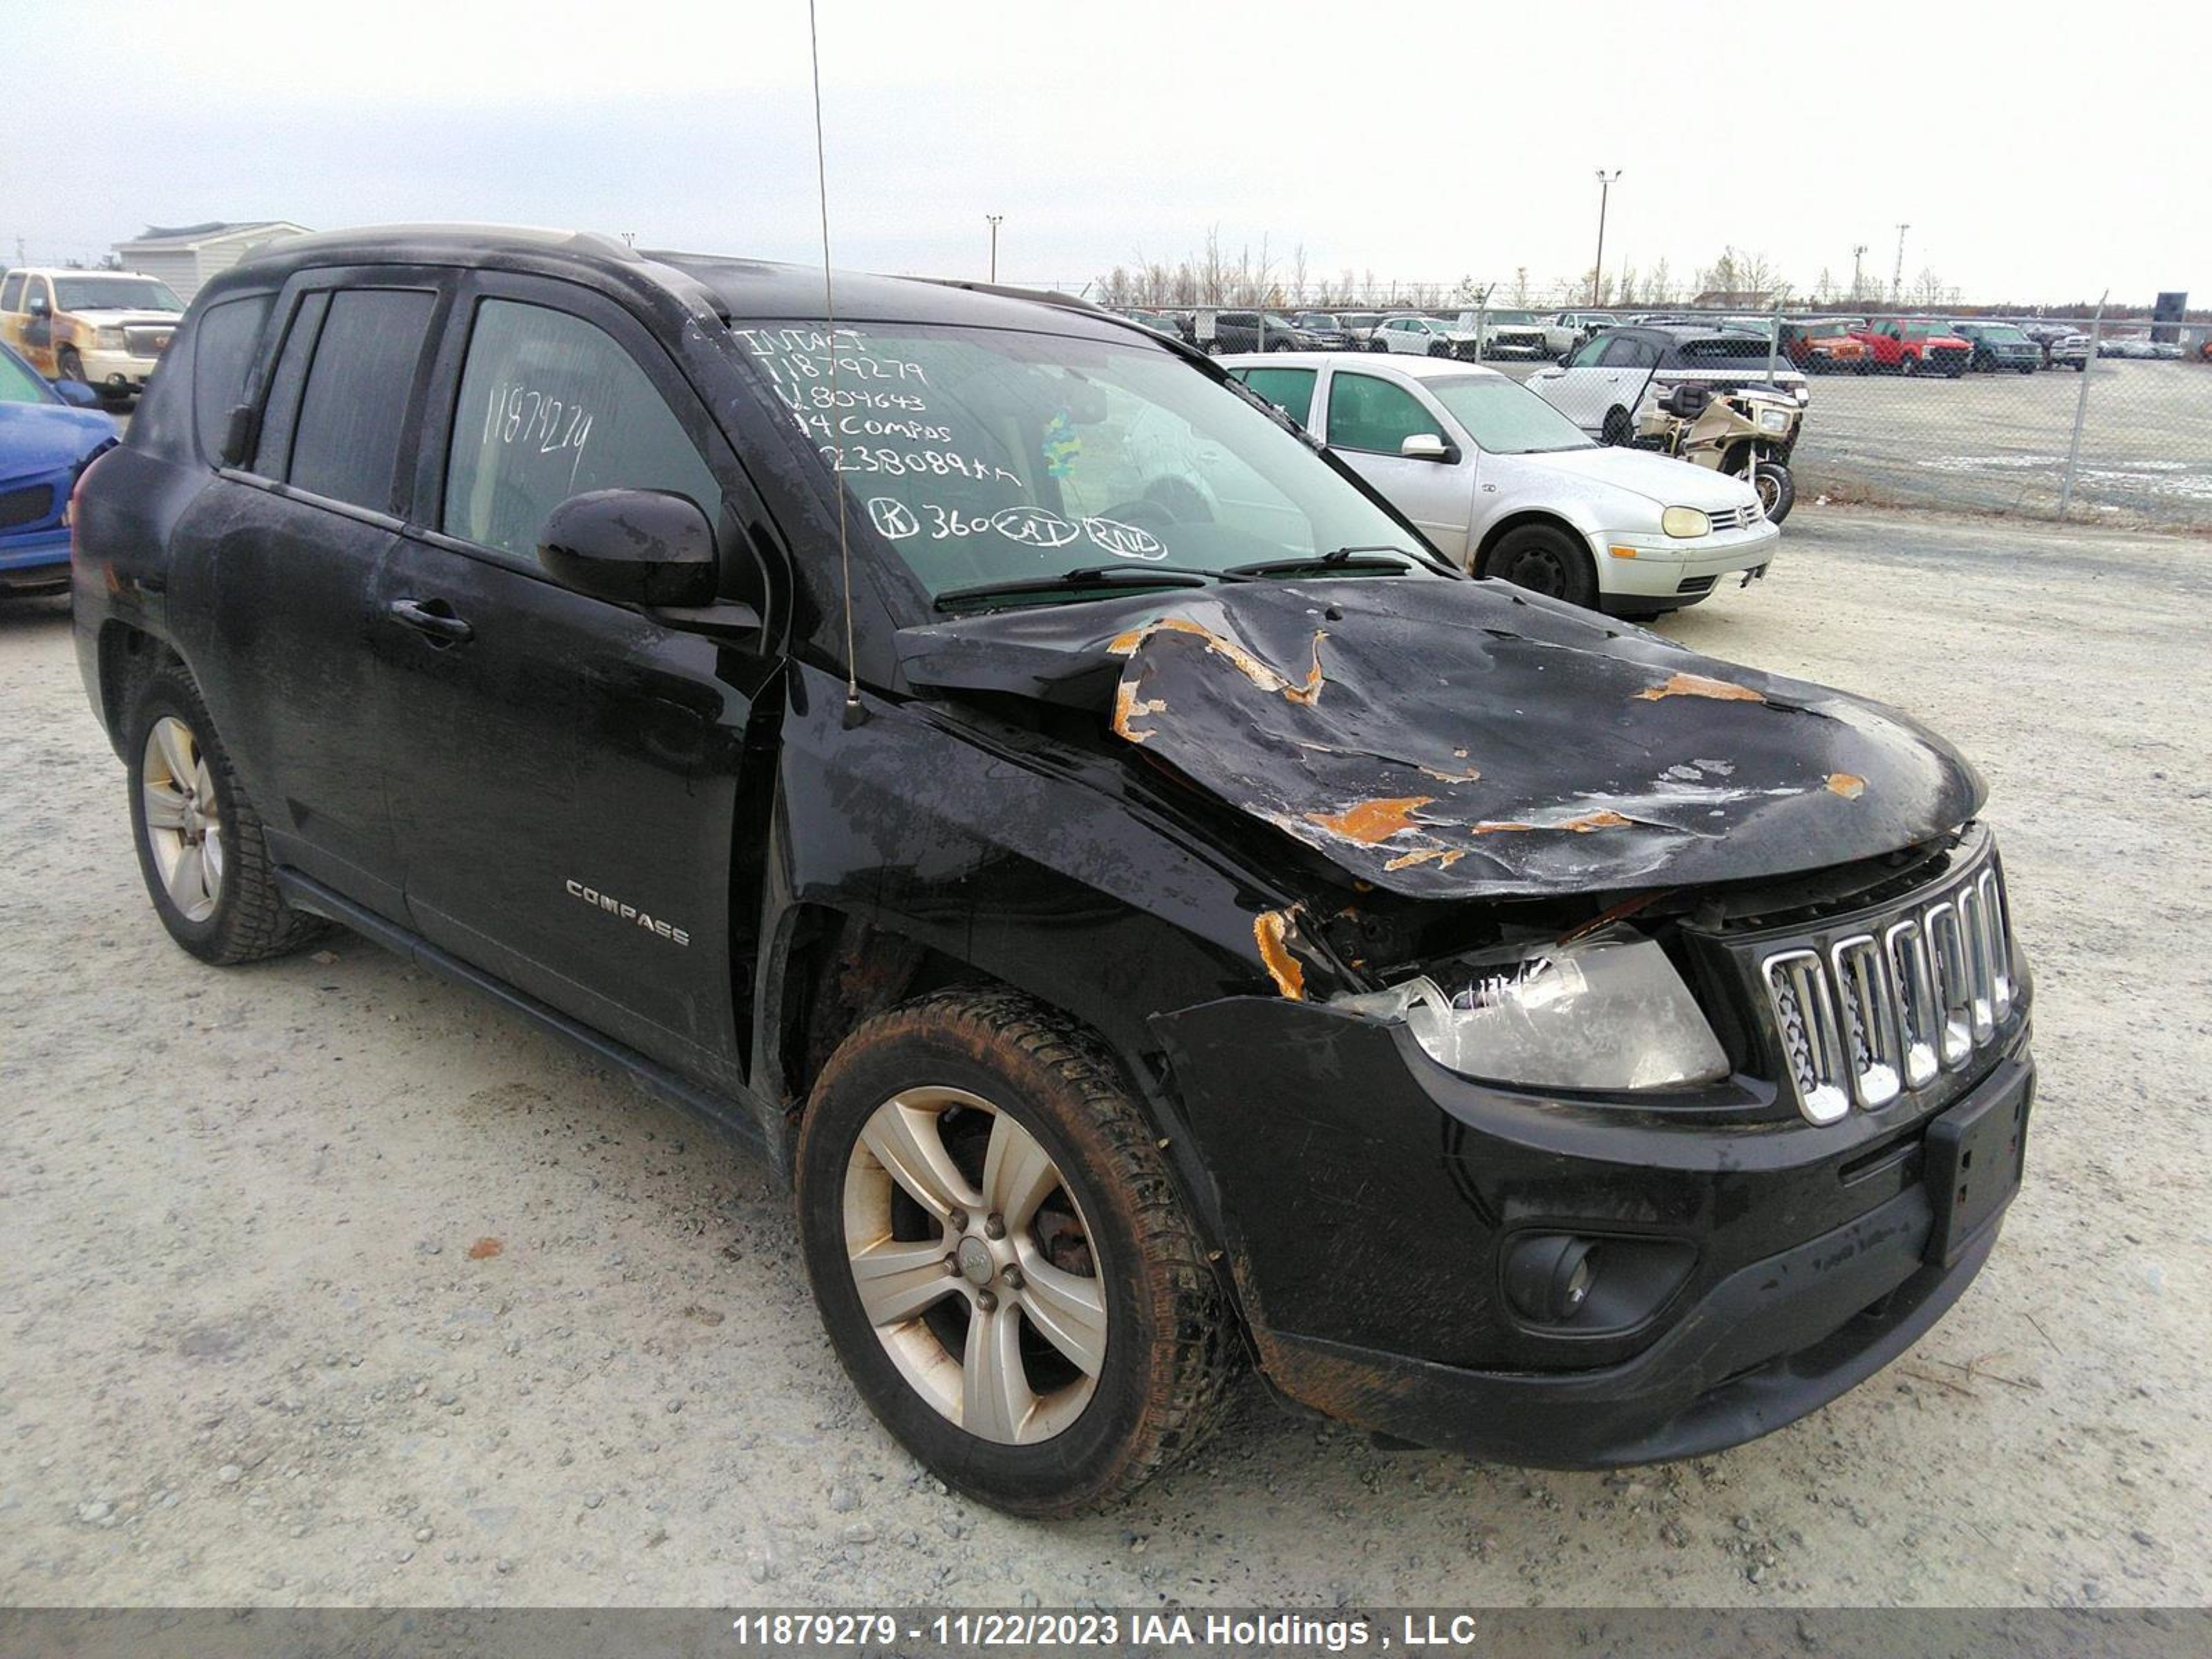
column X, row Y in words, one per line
column 1114, row 575
column 1342, row 558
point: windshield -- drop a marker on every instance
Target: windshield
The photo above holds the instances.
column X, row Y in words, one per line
column 1504, row 417
column 113, row 294
column 19, row 381
column 1512, row 316
column 2004, row 332
column 1362, row 319
column 986, row 455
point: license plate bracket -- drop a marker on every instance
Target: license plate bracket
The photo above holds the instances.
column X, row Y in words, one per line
column 1974, row 1158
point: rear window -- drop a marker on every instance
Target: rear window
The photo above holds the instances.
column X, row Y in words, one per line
column 346, row 442
column 225, row 339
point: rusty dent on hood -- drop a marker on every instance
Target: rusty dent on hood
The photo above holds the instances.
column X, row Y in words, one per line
column 1271, row 932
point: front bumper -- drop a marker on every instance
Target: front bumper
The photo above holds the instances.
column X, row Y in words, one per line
column 35, row 561
column 1369, row 1197
column 119, row 371
column 1680, row 570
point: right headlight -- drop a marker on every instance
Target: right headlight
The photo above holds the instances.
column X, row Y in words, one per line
column 1609, row 1011
column 1685, row 522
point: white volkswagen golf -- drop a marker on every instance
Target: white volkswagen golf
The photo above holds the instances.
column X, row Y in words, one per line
column 1502, row 482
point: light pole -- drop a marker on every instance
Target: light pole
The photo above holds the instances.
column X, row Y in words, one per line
column 1897, row 274
column 994, row 218
column 1604, row 191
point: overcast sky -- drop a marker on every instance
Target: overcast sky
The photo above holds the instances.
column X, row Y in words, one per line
column 2034, row 159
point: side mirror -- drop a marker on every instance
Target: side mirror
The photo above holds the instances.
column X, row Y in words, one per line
column 238, row 433
column 37, row 306
column 1566, row 360
column 76, row 394
column 1425, row 447
column 633, row 546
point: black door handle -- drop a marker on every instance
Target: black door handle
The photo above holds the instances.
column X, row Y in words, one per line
column 432, row 617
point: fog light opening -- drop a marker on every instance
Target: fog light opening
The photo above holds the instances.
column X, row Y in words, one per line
column 1550, row 1278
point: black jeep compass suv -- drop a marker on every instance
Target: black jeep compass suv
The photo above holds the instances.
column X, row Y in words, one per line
column 1160, row 917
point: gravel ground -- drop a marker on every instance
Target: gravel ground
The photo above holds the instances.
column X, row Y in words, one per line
column 323, row 1282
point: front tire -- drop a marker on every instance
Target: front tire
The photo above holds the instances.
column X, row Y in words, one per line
column 1544, row 560
column 1000, row 1258
column 200, row 846
column 1777, row 490
column 1614, row 430
column 70, row 367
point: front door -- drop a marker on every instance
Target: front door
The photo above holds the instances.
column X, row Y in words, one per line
column 1369, row 418
column 564, row 771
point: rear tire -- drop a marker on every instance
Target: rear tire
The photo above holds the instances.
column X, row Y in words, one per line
column 987, row 1105
column 200, row 846
column 1544, row 560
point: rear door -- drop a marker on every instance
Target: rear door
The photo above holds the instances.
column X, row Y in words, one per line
column 1369, row 419
column 564, row 769
column 272, row 569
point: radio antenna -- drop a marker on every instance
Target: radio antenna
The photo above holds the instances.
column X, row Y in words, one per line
column 854, row 713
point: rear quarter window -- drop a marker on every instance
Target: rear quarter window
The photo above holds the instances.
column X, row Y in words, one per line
column 11, row 292
column 224, row 342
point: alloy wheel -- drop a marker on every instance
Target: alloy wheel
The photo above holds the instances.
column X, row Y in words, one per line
column 184, row 820
column 975, row 1265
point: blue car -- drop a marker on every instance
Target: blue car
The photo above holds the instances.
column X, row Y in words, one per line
column 48, row 436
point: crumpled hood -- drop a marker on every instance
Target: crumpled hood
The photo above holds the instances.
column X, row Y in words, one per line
column 1464, row 739
column 36, row 438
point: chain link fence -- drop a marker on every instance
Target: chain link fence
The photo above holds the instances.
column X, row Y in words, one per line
column 2097, row 413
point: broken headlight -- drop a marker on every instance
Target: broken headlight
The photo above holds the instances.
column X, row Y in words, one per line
column 1604, row 1012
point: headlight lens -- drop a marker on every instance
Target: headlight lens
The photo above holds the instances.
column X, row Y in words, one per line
column 1685, row 521
column 107, row 339
column 1609, row 1011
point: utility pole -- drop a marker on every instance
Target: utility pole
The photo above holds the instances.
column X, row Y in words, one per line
column 1604, row 191
column 1858, row 277
column 994, row 218
column 1897, row 275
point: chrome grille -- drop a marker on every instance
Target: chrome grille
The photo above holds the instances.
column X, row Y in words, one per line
column 1735, row 518
column 1883, row 1010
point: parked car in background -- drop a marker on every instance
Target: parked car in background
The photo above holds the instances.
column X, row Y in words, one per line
column 49, row 434
column 106, row 329
column 1907, row 345
column 1253, row 331
column 2063, row 345
column 1824, row 345
column 1998, row 345
column 1514, row 333
column 1328, row 332
column 1504, row 485
column 1160, row 322
column 1569, row 329
column 1611, row 382
column 1417, row 335
column 1153, row 909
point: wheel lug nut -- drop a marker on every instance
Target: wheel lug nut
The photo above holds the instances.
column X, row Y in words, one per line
column 952, row 1267
column 986, row 1301
column 958, row 1221
column 994, row 1226
column 1011, row 1279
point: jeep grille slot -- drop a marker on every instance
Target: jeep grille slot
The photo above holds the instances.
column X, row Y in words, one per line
column 1883, row 1011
